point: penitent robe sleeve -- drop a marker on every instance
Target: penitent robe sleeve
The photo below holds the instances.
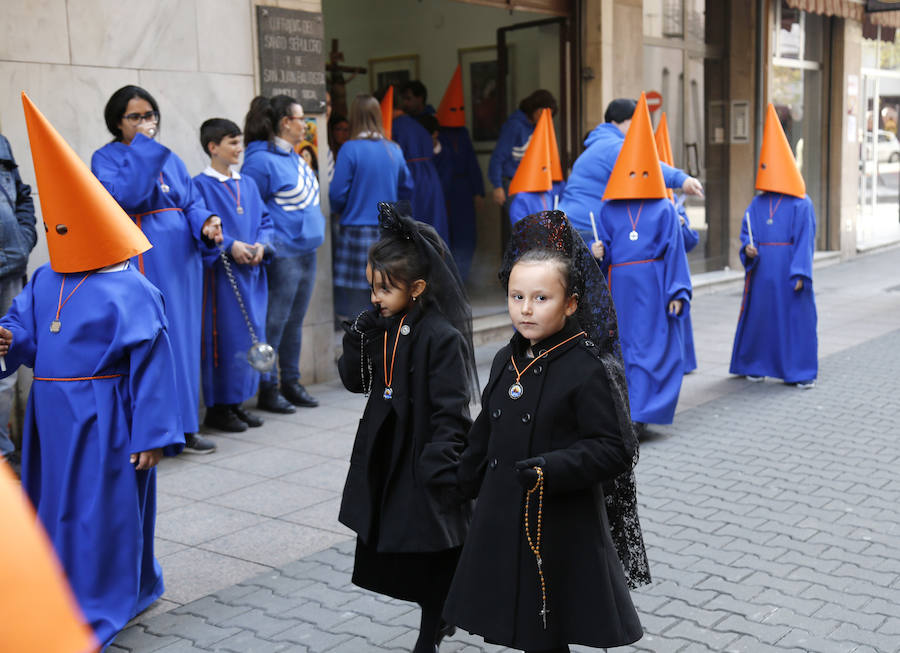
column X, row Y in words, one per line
column 130, row 172
column 748, row 263
column 20, row 321
column 677, row 274
column 151, row 381
column 600, row 454
column 193, row 205
column 803, row 232
column 406, row 185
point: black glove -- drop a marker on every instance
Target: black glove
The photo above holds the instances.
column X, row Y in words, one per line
column 366, row 321
column 525, row 472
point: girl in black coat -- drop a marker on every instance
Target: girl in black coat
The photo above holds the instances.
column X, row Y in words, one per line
column 540, row 569
column 411, row 357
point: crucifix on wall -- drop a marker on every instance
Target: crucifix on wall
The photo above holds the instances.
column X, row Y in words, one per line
column 337, row 83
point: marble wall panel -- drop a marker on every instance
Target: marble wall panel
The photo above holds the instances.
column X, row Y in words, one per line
column 34, row 30
column 159, row 35
column 187, row 99
column 225, row 36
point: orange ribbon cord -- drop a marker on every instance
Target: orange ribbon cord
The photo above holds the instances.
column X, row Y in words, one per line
column 137, row 218
column 78, row 378
column 388, row 381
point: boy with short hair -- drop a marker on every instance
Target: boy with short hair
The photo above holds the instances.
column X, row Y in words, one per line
column 228, row 378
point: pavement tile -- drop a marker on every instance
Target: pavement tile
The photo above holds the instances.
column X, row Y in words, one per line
column 198, row 522
column 271, row 498
column 273, row 543
column 202, row 572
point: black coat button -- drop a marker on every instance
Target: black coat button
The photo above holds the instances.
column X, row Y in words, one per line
column 509, row 367
column 537, row 369
column 526, row 417
column 493, row 464
column 496, row 413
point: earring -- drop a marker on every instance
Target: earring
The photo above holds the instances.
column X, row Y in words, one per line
column 415, row 298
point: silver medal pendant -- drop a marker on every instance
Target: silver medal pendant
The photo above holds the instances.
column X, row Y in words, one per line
column 633, row 235
column 164, row 187
column 55, row 326
column 240, row 210
column 516, row 390
column 388, row 394
column 769, row 221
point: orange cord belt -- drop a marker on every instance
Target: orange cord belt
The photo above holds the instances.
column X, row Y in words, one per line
column 776, row 244
column 137, row 218
column 77, row 378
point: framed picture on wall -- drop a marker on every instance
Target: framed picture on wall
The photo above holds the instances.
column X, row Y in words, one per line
column 482, row 95
column 396, row 70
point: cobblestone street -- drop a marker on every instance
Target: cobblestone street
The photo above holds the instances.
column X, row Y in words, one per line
column 769, row 512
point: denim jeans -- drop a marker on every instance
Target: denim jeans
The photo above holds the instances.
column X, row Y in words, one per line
column 9, row 288
column 291, row 280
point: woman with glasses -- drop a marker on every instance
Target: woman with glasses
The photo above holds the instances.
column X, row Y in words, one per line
column 153, row 186
column 272, row 130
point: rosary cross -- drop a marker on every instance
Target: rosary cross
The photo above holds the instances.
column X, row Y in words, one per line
column 543, row 613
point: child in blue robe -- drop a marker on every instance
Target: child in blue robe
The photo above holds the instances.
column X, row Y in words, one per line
column 152, row 184
column 103, row 407
column 776, row 331
column 427, row 198
column 228, row 378
column 528, row 203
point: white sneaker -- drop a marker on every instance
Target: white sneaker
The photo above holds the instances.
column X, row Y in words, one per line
column 806, row 385
column 755, row 379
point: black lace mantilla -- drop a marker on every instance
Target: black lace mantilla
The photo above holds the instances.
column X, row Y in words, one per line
column 597, row 316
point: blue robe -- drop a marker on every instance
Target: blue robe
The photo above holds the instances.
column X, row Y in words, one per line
column 227, row 376
column 418, row 148
column 132, row 175
column 79, row 432
column 525, row 204
column 691, row 238
column 776, row 331
column 644, row 276
column 461, row 181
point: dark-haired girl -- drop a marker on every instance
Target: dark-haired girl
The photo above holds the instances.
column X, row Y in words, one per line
column 549, row 459
column 370, row 169
column 412, row 354
column 152, row 184
column 272, row 130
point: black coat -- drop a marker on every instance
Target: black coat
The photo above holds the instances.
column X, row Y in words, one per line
column 410, row 441
column 566, row 414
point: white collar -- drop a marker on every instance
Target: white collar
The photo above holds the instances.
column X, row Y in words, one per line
column 282, row 144
column 215, row 174
column 115, row 267
column 368, row 135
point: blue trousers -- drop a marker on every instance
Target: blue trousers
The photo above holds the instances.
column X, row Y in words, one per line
column 291, row 280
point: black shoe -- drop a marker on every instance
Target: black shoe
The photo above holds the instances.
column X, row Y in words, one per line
column 271, row 400
column 297, row 395
column 196, row 443
column 221, row 418
column 247, row 418
column 445, row 630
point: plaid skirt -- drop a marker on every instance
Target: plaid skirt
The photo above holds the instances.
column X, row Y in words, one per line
column 351, row 250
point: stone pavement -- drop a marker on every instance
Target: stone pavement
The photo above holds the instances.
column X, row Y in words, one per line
column 769, row 512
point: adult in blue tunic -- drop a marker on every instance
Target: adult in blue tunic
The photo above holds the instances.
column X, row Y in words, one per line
column 228, row 378
column 776, row 332
column 647, row 272
column 590, row 173
column 428, row 198
column 152, row 184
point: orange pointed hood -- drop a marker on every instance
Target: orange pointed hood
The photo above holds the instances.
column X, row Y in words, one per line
column 664, row 147
column 86, row 228
column 452, row 109
column 637, row 174
column 778, row 171
column 387, row 111
column 536, row 173
column 33, row 589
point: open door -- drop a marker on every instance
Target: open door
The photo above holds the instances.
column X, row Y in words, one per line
column 538, row 54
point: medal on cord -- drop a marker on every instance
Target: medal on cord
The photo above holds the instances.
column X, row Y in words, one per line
column 56, row 325
column 516, row 390
column 634, row 221
column 163, row 186
column 388, row 380
column 237, row 199
column 771, row 210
